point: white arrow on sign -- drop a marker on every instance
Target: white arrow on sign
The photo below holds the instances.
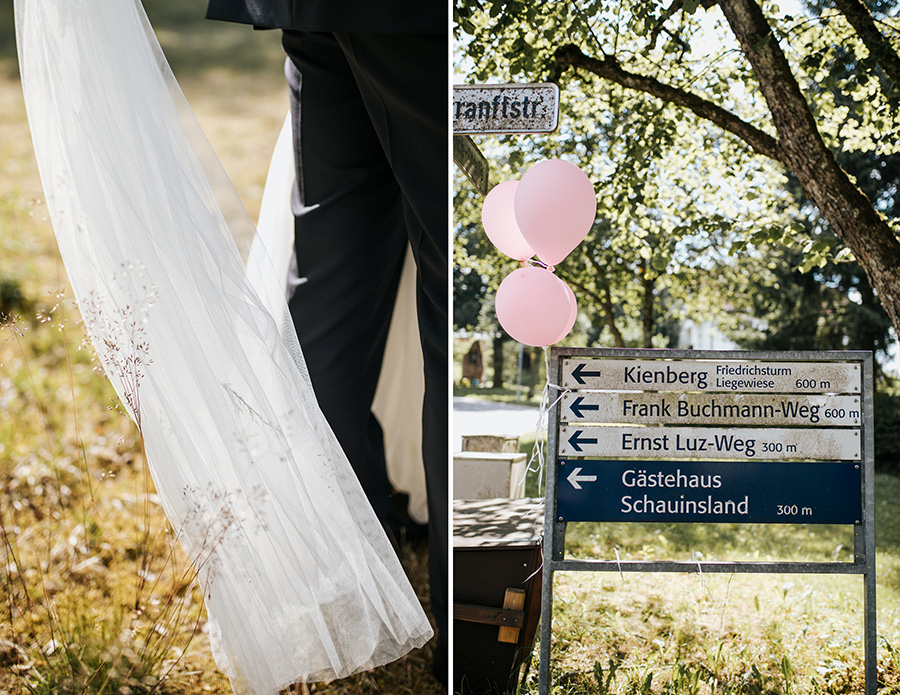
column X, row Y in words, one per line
column 576, row 479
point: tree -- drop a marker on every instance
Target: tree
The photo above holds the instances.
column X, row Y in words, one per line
column 477, row 270
column 661, row 234
column 810, row 305
column 829, row 308
column 469, row 289
column 750, row 94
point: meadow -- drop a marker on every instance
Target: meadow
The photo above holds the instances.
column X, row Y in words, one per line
column 95, row 594
column 703, row 633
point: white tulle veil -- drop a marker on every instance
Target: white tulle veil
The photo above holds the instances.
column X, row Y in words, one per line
column 299, row 579
column 401, row 384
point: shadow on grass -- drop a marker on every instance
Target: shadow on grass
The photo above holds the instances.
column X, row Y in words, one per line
column 724, row 542
column 193, row 45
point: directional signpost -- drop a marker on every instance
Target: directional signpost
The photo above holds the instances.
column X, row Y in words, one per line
column 774, row 444
column 700, row 492
column 699, row 408
column 711, row 437
column 707, row 377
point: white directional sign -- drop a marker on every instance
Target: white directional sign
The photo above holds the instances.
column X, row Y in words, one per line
column 505, row 108
column 471, row 162
column 666, row 408
column 713, row 375
column 710, row 443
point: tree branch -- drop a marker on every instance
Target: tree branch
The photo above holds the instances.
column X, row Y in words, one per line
column 861, row 20
column 851, row 214
column 668, row 12
column 605, row 303
column 608, row 68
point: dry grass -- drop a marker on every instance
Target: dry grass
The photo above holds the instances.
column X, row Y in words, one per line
column 96, row 596
column 735, row 634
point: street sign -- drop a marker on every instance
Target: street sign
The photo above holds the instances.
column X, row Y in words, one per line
column 709, row 492
column 769, row 444
column 652, row 408
column 505, row 108
column 471, row 162
column 718, row 375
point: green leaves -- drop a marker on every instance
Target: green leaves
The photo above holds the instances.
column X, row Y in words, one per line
column 816, row 253
column 687, row 212
column 690, row 6
column 606, row 682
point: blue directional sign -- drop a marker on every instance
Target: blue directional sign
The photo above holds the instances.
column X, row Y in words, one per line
column 709, row 491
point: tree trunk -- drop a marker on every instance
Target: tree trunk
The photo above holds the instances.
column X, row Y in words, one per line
column 799, row 146
column 535, row 354
column 497, row 362
column 609, row 312
column 647, row 284
column 827, row 186
column 606, row 302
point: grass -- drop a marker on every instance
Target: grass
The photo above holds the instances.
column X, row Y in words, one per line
column 708, row 633
column 95, row 595
column 721, row 633
column 503, row 394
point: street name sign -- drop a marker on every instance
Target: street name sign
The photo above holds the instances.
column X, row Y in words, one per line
column 471, row 162
column 505, row 108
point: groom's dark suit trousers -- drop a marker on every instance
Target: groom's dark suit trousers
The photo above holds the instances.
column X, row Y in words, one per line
column 371, row 152
column 369, row 95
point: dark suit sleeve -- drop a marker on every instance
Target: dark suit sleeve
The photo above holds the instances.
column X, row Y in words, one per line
column 370, row 16
column 260, row 13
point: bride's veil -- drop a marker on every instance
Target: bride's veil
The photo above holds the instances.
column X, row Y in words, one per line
column 299, row 579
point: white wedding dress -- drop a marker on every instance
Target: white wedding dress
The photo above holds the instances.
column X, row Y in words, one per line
column 299, row 578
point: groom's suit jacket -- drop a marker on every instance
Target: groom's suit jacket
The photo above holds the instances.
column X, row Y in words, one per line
column 378, row 16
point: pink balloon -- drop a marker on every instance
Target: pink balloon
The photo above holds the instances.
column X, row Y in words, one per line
column 555, row 206
column 533, row 306
column 573, row 308
column 499, row 221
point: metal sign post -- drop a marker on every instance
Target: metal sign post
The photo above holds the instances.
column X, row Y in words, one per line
column 711, row 437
